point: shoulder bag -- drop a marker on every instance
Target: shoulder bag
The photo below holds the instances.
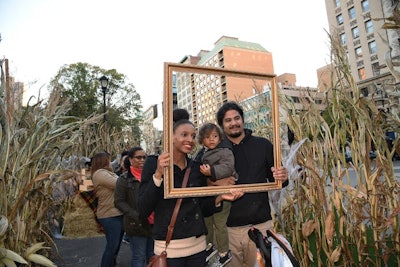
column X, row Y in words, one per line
column 161, row 260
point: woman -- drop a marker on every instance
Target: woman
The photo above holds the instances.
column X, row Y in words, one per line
column 104, row 180
column 126, row 200
column 188, row 244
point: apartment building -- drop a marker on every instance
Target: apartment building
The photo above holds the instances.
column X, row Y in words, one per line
column 205, row 94
column 372, row 50
column 152, row 136
column 353, row 21
column 202, row 94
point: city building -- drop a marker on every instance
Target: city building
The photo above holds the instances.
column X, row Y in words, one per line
column 368, row 33
column 362, row 36
column 152, row 136
column 372, row 48
column 202, row 94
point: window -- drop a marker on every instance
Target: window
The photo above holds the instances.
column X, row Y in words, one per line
column 372, row 47
column 358, row 51
column 361, row 74
column 337, row 3
column 365, row 5
column 355, row 32
column 343, row 38
column 369, row 27
column 339, row 19
column 376, row 70
column 352, row 13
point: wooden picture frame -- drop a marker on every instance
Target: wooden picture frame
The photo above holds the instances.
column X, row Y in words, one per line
column 169, row 70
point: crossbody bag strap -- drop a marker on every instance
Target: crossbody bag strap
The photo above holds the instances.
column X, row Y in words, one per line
column 287, row 250
column 176, row 209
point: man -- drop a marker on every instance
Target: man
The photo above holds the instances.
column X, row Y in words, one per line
column 254, row 161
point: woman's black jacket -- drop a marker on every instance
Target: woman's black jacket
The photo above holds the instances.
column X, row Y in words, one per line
column 190, row 220
column 126, row 197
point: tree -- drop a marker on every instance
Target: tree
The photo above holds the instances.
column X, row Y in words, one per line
column 79, row 84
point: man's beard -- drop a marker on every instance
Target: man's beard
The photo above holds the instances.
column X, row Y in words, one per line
column 235, row 135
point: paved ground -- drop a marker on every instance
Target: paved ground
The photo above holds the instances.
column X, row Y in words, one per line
column 86, row 252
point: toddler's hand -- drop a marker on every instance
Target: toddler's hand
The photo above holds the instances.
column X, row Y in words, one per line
column 205, row 169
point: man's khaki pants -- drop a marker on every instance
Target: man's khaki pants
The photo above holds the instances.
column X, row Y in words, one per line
column 244, row 250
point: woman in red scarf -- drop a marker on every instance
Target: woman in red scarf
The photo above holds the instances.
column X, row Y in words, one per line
column 126, row 200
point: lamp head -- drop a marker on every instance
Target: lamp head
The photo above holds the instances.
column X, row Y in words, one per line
column 103, row 82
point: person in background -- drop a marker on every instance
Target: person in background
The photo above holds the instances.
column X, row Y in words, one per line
column 126, row 200
column 217, row 162
column 254, row 163
column 104, row 180
column 121, row 168
column 188, row 243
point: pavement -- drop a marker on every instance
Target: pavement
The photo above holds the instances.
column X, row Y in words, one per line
column 86, row 252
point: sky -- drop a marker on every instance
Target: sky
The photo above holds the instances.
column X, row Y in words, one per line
column 137, row 37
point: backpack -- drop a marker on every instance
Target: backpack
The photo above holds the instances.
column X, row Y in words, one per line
column 274, row 248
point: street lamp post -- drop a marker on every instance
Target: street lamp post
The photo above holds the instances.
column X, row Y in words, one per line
column 104, row 86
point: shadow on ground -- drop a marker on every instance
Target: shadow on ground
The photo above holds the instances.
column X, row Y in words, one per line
column 86, row 252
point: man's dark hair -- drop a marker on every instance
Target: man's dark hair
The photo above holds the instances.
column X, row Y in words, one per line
column 231, row 105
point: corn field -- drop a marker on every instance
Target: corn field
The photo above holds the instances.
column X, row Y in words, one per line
column 330, row 219
column 41, row 154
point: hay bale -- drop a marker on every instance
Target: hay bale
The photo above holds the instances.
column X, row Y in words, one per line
column 80, row 220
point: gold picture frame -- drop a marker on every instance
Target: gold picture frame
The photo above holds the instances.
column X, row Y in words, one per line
column 169, row 70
